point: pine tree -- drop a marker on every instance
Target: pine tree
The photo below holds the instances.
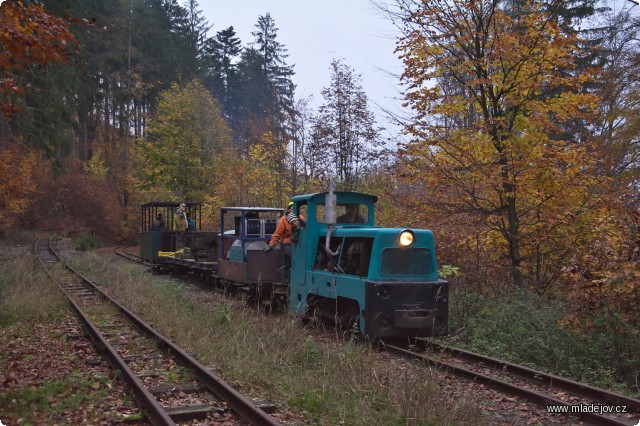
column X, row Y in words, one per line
column 221, row 55
column 189, row 28
column 273, row 57
column 266, row 77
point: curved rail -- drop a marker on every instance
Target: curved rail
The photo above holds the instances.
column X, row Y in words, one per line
column 503, row 386
column 120, row 251
column 157, row 413
column 575, row 388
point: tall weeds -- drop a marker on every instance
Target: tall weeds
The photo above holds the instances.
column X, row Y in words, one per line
column 26, row 291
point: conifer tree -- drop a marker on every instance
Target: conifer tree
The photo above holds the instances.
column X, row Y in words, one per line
column 273, row 57
column 266, row 82
column 222, row 53
column 190, row 29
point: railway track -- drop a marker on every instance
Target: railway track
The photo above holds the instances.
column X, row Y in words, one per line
column 169, row 385
column 122, row 252
column 564, row 396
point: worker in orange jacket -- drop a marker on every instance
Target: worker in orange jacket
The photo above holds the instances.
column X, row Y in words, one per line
column 286, row 227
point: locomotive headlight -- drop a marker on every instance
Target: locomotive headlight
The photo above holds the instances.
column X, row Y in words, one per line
column 406, row 238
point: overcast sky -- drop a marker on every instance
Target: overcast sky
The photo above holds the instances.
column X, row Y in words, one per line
column 315, row 32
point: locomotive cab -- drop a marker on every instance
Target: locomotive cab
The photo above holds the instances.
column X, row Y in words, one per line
column 382, row 280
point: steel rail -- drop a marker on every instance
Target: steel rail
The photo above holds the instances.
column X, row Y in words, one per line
column 551, row 380
column 154, row 410
column 120, row 251
column 573, row 387
column 536, row 397
column 242, row 406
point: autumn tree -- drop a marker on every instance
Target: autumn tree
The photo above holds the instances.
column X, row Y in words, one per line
column 262, row 163
column 79, row 201
column 617, row 127
column 345, row 136
column 307, row 168
column 607, row 271
column 28, row 36
column 186, row 137
column 490, row 92
column 17, row 184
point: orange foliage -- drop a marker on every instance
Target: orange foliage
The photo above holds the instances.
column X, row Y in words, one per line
column 17, row 167
column 491, row 94
column 608, row 273
column 75, row 203
column 28, row 35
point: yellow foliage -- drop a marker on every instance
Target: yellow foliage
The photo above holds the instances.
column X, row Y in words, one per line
column 607, row 274
column 17, row 168
column 96, row 167
column 186, row 134
column 268, row 163
column 487, row 149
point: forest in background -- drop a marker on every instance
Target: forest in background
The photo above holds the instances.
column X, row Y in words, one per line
column 520, row 152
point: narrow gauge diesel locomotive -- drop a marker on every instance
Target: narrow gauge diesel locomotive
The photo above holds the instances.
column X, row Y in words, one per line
column 343, row 267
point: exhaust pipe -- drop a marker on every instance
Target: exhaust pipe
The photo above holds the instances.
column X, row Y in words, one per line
column 330, row 204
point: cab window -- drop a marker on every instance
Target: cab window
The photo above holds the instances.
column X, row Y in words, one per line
column 302, row 210
column 345, row 213
column 353, row 258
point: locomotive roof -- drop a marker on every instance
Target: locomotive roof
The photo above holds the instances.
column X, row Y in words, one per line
column 169, row 203
column 342, row 196
column 255, row 209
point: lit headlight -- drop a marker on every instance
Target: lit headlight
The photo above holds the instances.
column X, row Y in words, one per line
column 406, row 238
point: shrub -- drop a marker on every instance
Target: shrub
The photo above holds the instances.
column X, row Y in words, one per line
column 85, row 242
column 75, row 203
column 527, row 328
column 18, row 170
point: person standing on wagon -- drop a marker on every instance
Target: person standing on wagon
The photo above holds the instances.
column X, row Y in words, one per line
column 181, row 224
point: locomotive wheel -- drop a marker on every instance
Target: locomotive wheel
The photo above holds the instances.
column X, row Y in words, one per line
column 348, row 317
column 343, row 314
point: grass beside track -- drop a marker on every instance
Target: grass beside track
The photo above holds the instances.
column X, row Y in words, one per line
column 23, row 283
column 274, row 357
column 44, row 378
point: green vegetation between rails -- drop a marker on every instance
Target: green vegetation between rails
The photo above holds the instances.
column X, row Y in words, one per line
column 54, row 397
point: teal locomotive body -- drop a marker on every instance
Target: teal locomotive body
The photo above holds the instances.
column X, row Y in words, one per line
column 382, row 280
